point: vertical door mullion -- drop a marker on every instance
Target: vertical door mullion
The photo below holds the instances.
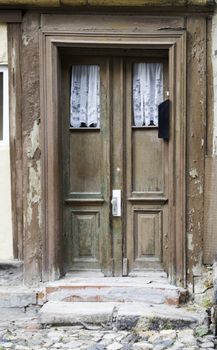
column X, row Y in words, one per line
column 117, row 159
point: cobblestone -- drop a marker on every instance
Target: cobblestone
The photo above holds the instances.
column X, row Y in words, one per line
column 25, row 333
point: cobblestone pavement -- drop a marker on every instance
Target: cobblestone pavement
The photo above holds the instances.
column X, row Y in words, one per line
column 24, row 333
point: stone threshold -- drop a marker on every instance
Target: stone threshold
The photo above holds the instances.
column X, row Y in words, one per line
column 150, row 289
column 120, row 315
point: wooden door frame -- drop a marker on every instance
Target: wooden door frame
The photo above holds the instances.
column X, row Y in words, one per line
column 50, row 42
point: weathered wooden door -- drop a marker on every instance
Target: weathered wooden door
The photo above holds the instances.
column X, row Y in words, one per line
column 146, row 193
column 114, row 155
column 86, row 179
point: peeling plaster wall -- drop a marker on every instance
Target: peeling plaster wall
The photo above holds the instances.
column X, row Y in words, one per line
column 210, row 211
column 6, row 248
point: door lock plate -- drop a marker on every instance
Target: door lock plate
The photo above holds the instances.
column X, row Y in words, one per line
column 116, row 202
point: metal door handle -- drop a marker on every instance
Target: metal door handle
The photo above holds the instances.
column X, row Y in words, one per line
column 116, row 202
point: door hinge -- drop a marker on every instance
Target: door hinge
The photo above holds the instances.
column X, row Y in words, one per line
column 125, row 266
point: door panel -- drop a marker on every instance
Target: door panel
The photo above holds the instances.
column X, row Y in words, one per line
column 86, row 153
column 147, row 233
column 147, row 161
column 82, row 238
column 86, row 179
column 146, row 192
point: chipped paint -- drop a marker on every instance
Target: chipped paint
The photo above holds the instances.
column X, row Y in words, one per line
column 193, row 173
column 190, row 287
column 190, row 241
column 197, row 267
column 34, row 193
column 33, row 142
column 200, row 190
column 34, row 173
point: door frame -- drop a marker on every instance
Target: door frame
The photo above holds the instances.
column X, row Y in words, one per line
column 51, row 41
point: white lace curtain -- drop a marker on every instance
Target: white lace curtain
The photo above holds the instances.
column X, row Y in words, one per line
column 147, row 93
column 85, row 96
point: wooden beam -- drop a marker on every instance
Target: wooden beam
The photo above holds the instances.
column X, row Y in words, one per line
column 10, row 16
column 196, row 121
column 107, row 3
column 14, row 35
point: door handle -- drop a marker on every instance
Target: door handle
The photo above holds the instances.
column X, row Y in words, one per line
column 116, row 202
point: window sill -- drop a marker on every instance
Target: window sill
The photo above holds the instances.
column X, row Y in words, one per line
column 84, row 129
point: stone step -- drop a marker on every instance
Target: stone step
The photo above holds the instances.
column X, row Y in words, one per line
column 115, row 289
column 119, row 315
column 17, row 297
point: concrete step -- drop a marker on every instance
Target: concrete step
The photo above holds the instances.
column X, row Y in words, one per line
column 120, row 315
column 115, row 289
column 17, row 297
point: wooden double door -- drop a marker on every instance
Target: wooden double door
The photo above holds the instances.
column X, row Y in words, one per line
column 115, row 176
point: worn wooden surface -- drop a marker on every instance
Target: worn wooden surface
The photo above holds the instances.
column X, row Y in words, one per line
column 147, row 161
column 86, row 178
column 178, row 80
column 10, row 16
column 146, row 218
column 146, row 184
column 118, row 151
column 210, row 90
column 210, row 217
column 109, row 24
column 86, row 169
column 51, row 142
column 16, row 146
column 196, row 109
column 31, row 175
column 96, row 39
column 144, row 3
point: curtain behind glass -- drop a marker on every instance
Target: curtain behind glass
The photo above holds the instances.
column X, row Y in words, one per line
column 85, row 96
column 147, row 93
